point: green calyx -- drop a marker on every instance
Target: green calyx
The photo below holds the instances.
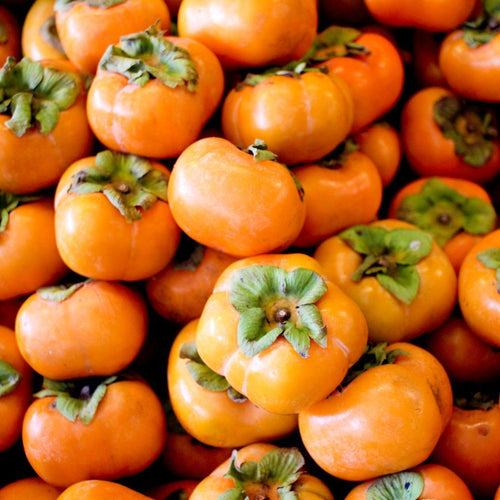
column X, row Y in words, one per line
column 273, row 302
column 204, row 376
column 278, row 470
column 406, row 485
column 76, row 400
column 34, row 95
column 469, row 125
column 58, row 293
column 469, row 400
column 63, row 5
column 376, row 354
column 129, row 182
column 148, row 54
column 390, row 256
column 8, row 202
column 260, row 152
column 49, row 33
column 443, row 212
column 485, row 27
column 490, row 258
column 337, row 158
column 10, row 378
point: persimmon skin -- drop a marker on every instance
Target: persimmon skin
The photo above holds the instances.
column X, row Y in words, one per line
column 95, row 28
column 87, row 225
column 162, row 491
column 23, row 270
column 126, row 435
column 99, row 489
column 14, row 404
column 29, row 487
column 72, row 331
column 12, row 45
column 222, row 198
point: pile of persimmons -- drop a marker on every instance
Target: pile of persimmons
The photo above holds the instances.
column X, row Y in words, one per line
column 249, row 249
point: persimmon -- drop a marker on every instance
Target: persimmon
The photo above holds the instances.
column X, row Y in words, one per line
column 112, row 218
column 281, row 333
column 100, row 489
column 88, row 27
column 10, row 35
column 66, row 320
column 29, row 487
column 259, row 205
column 153, row 94
column 340, row 190
column 397, row 274
column 180, row 488
column 43, row 123
column 425, row 67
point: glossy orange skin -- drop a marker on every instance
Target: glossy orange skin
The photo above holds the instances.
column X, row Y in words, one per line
column 179, row 294
column 155, row 120
column 425, row 58
column 366, row 75
column 390, row 412
column 465, row 357
column 12, row 45
column 33, row 43
column 29, row 487
column 222, row 198
column 251, row 33
column 431, row 15
column 212, row 417
column 478, row 297
column 162, row 491
column 185, row 457
column 95, row 28
column 278, row 379
column 210, row 488
column 14, row 404
column 470, row 447
column 381, row 142
column 301, row 119
column 426, row 149
column 131, row 251
column 126, row 435
column 23, row 270
column 440, row 483
column 388, row 318
column 471, row 72
column 70, row 140
column 95, row 489
column 338, row 197
column 456, row 247
column 72, row 331
column 497, row 494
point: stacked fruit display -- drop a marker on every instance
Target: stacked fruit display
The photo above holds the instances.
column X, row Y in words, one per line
column 250, row 249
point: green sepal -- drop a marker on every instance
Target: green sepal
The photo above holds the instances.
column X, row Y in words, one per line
column 34, row 95
column 81, row 407
column 484, row 27
column 58, row 293
column 63, row 5
column 10, row 378
column 443, row 211
column 336, row 41
column 9, row 202
column 148, row 54
column 130, row 182
column 476, row 400
column 390, row 256
column 405, row 485
column 180, row 494
column 280, row 467
column 253, row 292
column 192, row 261
column 260, row 152
column 48, row 31
column 491, row 259
column 469, row 125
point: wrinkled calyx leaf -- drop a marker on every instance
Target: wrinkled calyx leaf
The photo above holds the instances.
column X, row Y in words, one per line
column 277, row 471
column 491, row 259
column 390, row 256
column 337, row 158
column 205, row 376
column 60, row 292
column 9, row 202
column 376, row 354
column 406, row 485
column 470, row 125
column 129, row 182
column 49, row 33
column 273, row 302
column 149, row 54
column 484, row 28
column 443, row 211
column 34, row 95
column 63, row 5
column 470, row 400
column 10, row 378
column 78, row 399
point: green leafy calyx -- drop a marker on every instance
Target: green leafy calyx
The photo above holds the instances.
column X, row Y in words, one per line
column 58, row 293
column 129, row 182
column 9, row 202
column 444, row 212
column 406, row 485
column 390, row 256
column 63, row 5
column 34, row 95
column 9, row 378
column 273, row 302
column 490, row 258
column 484, row 27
